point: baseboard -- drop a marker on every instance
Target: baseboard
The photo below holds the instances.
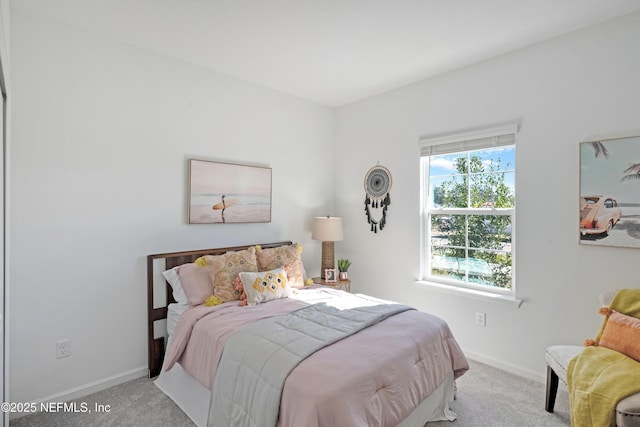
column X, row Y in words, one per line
column 89, row 388
column 508, row 367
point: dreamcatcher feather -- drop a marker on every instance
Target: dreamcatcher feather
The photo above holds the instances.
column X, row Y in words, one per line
column 377, row 185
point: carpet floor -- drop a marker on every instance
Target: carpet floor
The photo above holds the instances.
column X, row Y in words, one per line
column 487, row 397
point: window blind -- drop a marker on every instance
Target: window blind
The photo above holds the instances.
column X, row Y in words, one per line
column 468, row 141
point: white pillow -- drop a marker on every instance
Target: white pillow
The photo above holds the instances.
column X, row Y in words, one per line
column 265, row 285
column 605, row 297
column 176, row 286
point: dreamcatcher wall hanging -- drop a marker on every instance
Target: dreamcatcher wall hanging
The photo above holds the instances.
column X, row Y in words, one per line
column 377, row 184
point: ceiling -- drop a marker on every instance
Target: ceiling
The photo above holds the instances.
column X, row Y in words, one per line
column 332, row 52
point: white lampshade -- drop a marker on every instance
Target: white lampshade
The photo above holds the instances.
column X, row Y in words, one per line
column 327, row 229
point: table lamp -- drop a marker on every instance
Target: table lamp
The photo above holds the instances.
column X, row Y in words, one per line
column 328, row 229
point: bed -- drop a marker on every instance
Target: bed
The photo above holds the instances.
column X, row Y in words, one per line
column 398, row 370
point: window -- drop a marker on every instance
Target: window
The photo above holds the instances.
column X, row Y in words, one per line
column 468, row 209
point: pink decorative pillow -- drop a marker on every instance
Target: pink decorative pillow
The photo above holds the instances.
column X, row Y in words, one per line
column 271, row 258
column 194, row 281
column 223, row 269
column 621, row 333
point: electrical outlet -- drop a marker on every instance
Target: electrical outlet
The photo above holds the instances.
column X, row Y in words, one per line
column 481, row 318
column 63, row 348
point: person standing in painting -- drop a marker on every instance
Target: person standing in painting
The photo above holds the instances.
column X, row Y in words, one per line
column 220, row 206
column 224, row 204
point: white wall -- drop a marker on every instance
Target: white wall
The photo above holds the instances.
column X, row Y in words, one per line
column 575, row 88
column 101, row 136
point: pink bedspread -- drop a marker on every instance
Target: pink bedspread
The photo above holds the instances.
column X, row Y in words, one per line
column 375, row 377
column 201, row 332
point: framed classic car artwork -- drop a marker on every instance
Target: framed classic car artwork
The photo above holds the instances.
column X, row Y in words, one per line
column 227, row 192
column 610, row 192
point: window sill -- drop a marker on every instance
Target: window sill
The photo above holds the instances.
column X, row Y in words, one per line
column 471, row 293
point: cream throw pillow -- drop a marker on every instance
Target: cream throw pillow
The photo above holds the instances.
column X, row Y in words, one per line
column 265, row 285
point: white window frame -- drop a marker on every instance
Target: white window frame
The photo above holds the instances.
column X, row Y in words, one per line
column 466, row 141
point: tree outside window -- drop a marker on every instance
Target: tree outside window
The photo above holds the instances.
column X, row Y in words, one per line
column 470, row 210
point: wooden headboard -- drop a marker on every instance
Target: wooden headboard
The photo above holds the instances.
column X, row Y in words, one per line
column 167, row 261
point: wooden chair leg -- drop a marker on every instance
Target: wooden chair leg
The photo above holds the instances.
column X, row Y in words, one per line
column 552, row 390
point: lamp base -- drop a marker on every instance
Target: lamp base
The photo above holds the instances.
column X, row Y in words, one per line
column 328, row 257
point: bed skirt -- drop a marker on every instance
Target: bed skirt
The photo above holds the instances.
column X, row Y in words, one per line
column 193, row 399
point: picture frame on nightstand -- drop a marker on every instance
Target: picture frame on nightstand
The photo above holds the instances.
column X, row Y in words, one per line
column 330, row 275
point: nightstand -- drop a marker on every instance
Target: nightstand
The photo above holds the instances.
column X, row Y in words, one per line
column 344, row 285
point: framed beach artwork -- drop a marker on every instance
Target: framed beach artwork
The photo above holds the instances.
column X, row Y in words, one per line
column 610, row 192
column 228, row 193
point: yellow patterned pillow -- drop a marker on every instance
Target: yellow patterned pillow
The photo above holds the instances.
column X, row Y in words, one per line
column 265, row 285
column 224, row 268
column 271, row 258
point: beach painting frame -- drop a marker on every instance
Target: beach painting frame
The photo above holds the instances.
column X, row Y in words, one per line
column 610, row 192
column 228, row 193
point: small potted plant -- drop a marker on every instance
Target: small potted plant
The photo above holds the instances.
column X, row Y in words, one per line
column 343, row 267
